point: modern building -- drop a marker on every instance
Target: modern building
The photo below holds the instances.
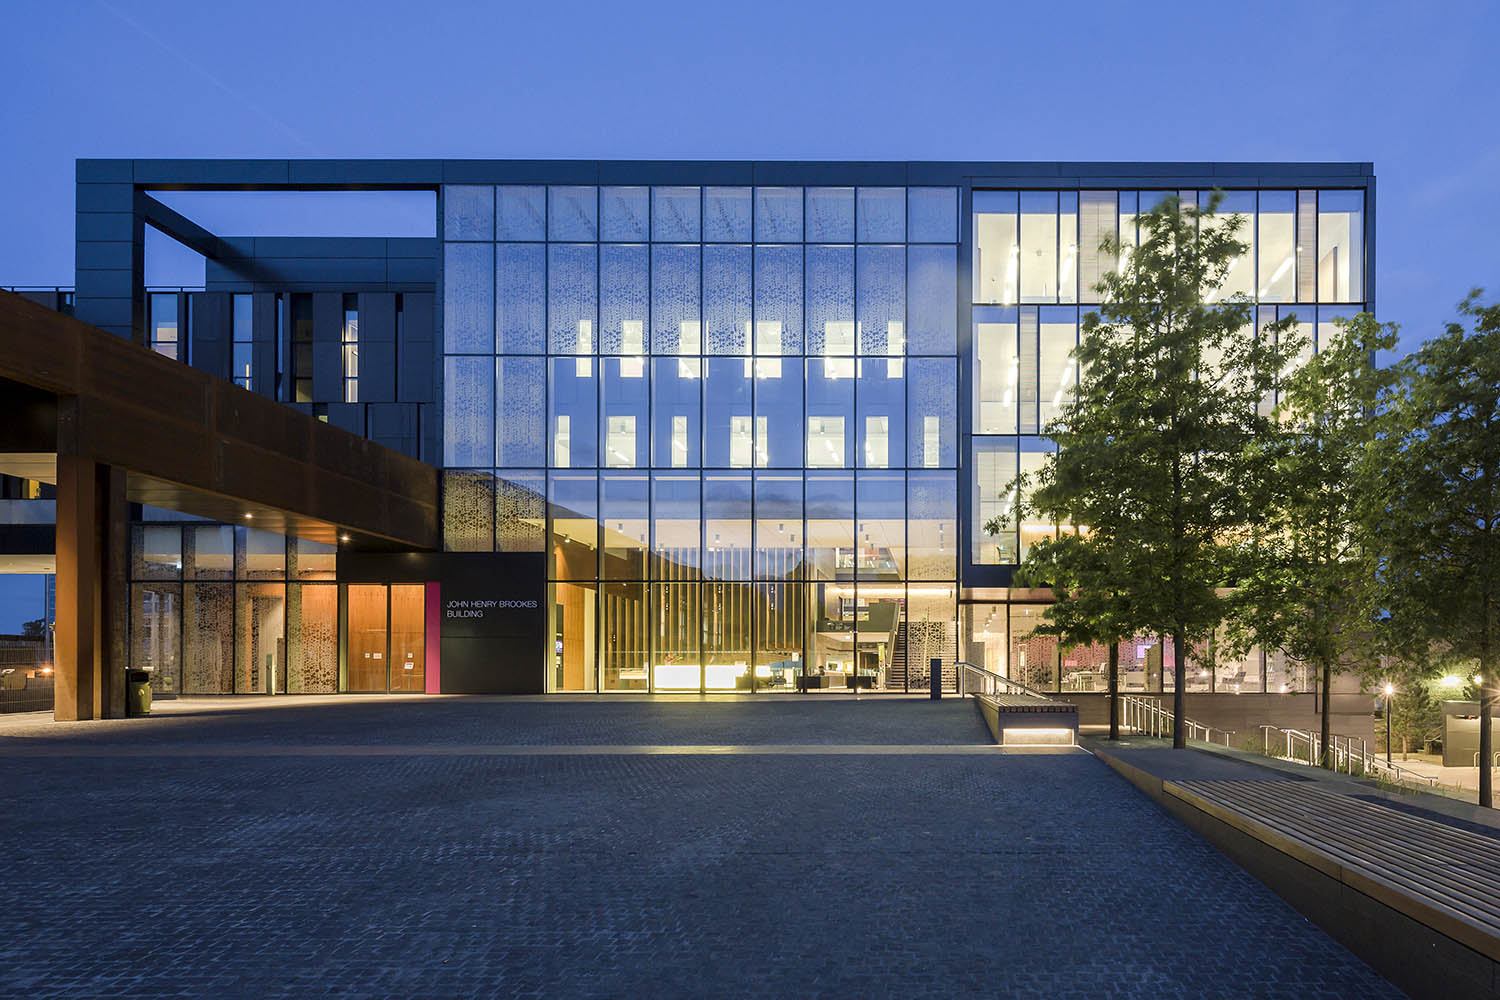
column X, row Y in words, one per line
column 699, row 426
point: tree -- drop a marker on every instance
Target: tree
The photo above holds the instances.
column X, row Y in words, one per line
column 1435, row 505
column 1416, row 716
column 1308, row 589
column 1155, row 453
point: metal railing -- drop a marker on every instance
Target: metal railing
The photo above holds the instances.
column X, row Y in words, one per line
column 1149, row 717
column 976, row 680
column 1494, row 763
column 1350, row 754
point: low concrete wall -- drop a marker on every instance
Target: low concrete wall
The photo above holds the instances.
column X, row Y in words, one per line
column 1244, row 714
column 1422, row 961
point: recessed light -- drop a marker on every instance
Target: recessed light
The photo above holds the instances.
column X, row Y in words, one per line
column 248, row 516
column 343, row 538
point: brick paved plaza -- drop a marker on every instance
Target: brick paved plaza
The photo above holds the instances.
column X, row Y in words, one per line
column 455, row 847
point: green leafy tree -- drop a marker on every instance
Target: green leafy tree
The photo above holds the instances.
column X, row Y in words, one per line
column 1308, row 588
column 1155, row 453
column 1435, row 505
column 1416, row 716
column 1093, row 605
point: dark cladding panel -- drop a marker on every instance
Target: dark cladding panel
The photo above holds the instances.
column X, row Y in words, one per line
column 415, row 349
column 328, row 358
column 209, row 319
column 348, row 416
column 394, row 425
column 430, row 417
column 377, row 347
column 263, row 354
column 494, row 622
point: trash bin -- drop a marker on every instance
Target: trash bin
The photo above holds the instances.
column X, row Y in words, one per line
column 137, row 692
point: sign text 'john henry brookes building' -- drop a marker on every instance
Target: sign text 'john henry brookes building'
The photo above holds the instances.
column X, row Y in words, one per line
column 700, row 426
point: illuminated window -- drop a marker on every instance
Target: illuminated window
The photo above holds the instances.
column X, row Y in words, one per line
column 825, row 442
column 349, row 339
column 164, row 332
column 243, row 341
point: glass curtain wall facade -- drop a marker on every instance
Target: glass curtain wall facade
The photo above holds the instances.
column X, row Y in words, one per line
column 224, row 609
column 1036, row 261
column 728, row 416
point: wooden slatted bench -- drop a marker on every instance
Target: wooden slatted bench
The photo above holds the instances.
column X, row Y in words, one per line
column 1440, row 875
column 1024, row 720
column 1417, row 898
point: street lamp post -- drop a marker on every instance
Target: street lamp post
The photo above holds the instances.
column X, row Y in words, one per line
column 1389, row 690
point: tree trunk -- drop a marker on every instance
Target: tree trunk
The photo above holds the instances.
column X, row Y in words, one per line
column 1114, row 690
column 1325, row 723
column 1179, row 682
column 1486, row 714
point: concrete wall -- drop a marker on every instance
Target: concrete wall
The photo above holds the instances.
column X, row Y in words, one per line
column 1244, row 714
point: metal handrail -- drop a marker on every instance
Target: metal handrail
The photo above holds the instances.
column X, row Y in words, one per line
column 1346, row 751
column 987, row 682
column 1149, row 717
column 1495, row 761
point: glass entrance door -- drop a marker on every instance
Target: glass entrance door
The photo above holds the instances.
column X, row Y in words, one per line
column 387, row 638
column 368, row 637
column 408, row 638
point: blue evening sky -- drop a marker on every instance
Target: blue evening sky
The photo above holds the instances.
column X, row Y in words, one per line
column 1413, row 88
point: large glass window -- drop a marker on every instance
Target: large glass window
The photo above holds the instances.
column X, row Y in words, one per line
column 520, row 212
column 572, row 272
column 1276, row 237
column 728, row 420
column 778, row 300
column 676, row 524
column 468, row 298
column 726, row 215
column 880, row 412
column 676, row 428
column 932, row 299
column 881, row 309
column 996, row 370
column 242, row 364
column 727, row 527
column 572, row 511
column 624, row 297
column 520, row 298
column 625, row 214
column 778, row 526
column 625, row 513
column 997, row 247
column 1240, row 278
column 995, row 468
column 830, row 300
column 626, row 657
column 726, row 299
column 520, row 403
column 932, row 413
column 1039, row 246
column 573, row 213
column 675, row 323
column 572, row 420
column 778, row 215
column 1057, row 371
column 830, row 413
column 778, row 413
column 1341, row 258
column 627, row 400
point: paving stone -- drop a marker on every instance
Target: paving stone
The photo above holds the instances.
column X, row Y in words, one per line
column 763, row 875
